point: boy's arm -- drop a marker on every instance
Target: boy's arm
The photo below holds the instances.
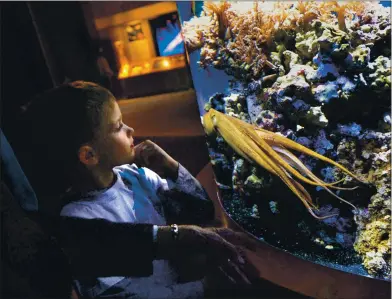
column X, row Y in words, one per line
column 184, row 199
column 186, row 183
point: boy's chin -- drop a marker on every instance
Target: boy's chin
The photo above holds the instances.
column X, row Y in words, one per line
column 125, row 161
column 131, row 160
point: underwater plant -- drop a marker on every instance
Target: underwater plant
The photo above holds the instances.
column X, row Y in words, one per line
column 319, row 74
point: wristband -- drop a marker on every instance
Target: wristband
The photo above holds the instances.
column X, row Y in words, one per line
column 174, row 231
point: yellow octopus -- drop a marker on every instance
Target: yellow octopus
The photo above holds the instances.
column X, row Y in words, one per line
column 268, row 150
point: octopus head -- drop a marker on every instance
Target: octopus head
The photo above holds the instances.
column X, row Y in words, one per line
column 209, row 121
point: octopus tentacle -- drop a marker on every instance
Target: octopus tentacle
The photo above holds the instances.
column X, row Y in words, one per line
column 306, row 194
column 297, row 163
column 298, row 147
column 229, row 132
column 282, row 162
column 249, row 149
column 271, row 138
column 308, row 203
column 296, row 160
column 268, row 150
column 312, row 207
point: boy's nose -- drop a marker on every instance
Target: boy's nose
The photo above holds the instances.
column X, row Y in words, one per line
column 130, row 131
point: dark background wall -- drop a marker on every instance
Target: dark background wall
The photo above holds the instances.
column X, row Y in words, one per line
column 24, row 71
column 42, row 44
column 62, row 27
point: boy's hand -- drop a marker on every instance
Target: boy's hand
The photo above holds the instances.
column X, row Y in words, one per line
column 150, row 155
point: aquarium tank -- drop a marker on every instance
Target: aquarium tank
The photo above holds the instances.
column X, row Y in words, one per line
column 295, row 99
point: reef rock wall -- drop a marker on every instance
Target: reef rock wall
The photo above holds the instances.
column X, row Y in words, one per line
column 318, row 73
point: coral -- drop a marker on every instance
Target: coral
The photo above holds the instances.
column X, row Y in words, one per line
column 240, row 168
column 216, row 102
column 289, row 86
column 385, row 123
column 326, row 69
column 290, row 59
column 306, row 44
column 346, row 87
column 331, row 40
column 194, row 31
column 254, row 182
column 254, row 107
column 352, row 129
column 305, row 70
column 379, row 74
column 277, row 62
column 255, row 212
column 240, row 171
column 345, row 240
column 274, row 207
column 234, row 106
column 255, row 87
column 316, row 117
column 322, row 144
column 326, row 92
column 304, row 141
column 239, row 37
column 360, row 58
column 319, row 73
column 372, row 31
column 268, row 120
column 375, row 244
column 374, row 237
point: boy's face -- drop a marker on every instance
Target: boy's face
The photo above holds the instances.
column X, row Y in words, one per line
column 114, row 144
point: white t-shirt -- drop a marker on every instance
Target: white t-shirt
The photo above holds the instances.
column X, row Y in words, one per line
column 133, row 198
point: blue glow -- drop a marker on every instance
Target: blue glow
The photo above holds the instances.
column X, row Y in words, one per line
column 169, row 39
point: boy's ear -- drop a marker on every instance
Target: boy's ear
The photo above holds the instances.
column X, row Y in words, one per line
column 87, row 155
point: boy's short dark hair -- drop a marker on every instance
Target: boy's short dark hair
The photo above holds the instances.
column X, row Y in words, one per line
column 58, row 122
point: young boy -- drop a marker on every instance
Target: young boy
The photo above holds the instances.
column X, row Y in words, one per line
column 93, row 153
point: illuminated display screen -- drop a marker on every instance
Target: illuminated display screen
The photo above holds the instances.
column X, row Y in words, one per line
column 167, row 35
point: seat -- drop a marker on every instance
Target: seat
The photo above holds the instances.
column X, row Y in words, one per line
column 33, row 266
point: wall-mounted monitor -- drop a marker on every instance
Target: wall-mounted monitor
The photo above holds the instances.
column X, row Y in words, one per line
column 166, row 31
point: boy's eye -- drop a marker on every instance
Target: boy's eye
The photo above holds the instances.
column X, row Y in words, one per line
column 119, row 127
